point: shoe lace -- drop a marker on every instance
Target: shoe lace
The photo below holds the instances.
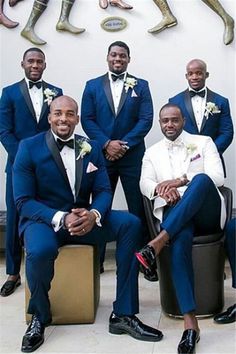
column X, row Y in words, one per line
column 35, row 326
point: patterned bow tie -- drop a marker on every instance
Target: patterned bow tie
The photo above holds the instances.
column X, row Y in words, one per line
column 116, row 77
column 38, row 84
column 200, row 93
column 175, row 143
column 62, row 143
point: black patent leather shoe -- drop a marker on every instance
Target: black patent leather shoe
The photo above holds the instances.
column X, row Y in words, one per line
column 134, row 327
column 147, row 257
column 149, row 274
column 229, row 316
column 188, row 341
column 10, row 286
column 34, row 336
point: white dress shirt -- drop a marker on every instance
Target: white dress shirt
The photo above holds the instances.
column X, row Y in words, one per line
column 36, row 96
column 116, row 89
column 199, row 104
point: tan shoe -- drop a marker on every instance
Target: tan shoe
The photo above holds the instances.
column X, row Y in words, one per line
column 120, row 4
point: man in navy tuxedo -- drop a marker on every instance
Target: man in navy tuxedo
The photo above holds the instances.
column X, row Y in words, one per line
column 181, row 174
column 24, row 108
column 117, row 111
column 63, row 196
column 205, row 111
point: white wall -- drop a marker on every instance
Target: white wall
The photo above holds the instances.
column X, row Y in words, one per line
column 160, row 58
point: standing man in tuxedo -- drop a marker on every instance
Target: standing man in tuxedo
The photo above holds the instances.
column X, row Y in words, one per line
column 205, row 111
column 24, row 107
column 181, row 173
column 62, row 193
column 117, row 111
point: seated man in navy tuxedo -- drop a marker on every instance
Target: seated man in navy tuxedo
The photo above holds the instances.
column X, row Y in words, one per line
column 181, row 173
column 229, row 316
column 206, row 112
column 63, row 196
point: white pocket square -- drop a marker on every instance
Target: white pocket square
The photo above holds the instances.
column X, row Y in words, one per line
column 91, row 167
column 134, row 94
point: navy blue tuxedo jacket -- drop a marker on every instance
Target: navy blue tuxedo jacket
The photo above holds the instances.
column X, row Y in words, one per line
column 41, row 186
column 218, row 126
column 133, row 119
column 17, row 117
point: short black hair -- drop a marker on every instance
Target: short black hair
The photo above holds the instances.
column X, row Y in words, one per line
column 171, row 105
column 119, row 44
column 33, row 49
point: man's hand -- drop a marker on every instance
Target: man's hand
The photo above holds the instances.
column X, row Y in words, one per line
column 172, row 196
column 80, row 221
column 115, row 150
column 165, row 186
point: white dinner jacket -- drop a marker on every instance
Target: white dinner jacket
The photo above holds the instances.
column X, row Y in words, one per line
column 201, row 157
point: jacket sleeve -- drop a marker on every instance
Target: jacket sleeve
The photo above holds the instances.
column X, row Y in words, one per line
column 7, row 137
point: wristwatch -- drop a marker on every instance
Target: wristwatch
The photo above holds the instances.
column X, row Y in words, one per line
column 98, row 217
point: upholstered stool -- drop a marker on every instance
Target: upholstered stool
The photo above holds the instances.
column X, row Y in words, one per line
column 75, row 289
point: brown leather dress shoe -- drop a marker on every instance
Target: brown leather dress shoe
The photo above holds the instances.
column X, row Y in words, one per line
column 103, row 4
column 121, row 4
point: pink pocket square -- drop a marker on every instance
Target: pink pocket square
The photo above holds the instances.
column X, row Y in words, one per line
column 91, row 168
column 134, row 94
column 195, row 157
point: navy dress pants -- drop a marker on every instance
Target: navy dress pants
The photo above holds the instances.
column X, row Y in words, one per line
column 42, row 243
column 198, row 211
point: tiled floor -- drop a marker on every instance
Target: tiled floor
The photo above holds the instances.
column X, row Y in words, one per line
column 89, row 339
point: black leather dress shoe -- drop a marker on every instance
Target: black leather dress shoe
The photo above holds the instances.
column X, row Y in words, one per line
column 229, row 316
column 34, row 336
column 9, row 287
column 188, row 341
column 134, row 327
column 147, row 257
column 149, row 274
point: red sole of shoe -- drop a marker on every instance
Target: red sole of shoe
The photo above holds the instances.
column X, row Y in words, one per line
column 142, row 260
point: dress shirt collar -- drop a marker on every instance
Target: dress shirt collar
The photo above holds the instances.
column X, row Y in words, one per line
column 203, row 88
column 57, row 137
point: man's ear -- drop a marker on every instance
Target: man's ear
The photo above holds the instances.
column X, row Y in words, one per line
column 207, row 74
column 49, row 118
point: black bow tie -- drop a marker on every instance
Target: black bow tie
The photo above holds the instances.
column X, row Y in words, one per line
column 200, row 93
column 38, row 84
column 62, row 143
column 116, row 77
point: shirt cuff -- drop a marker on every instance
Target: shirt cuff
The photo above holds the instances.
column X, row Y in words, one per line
column 57, row 220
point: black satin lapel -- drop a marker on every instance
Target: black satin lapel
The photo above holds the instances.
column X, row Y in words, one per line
column 107, row 89
column 56, row 154
column 189, row 107
column 26, row 95
column 78, row 175
column 209, row 98
column 45, row 104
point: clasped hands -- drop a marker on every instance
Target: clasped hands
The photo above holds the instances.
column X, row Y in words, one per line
column 168, row 191
column 80, row 221
column 115, row 149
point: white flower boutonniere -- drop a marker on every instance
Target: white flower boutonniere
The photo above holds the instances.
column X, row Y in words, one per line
column 130, row 82
column 191, row 148
column 211, row 108
column 49, row 94
column 83, row 147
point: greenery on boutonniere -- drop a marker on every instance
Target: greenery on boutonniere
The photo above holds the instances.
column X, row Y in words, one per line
column 211, row 108
column 130, row 82
column 83, row 148
column 191, row 148
column 50, row 94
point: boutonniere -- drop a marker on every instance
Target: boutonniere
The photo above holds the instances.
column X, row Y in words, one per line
column 50, row 95
column 130, row 82
column 211, row 108
column 83, row 148
column 191, row 148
